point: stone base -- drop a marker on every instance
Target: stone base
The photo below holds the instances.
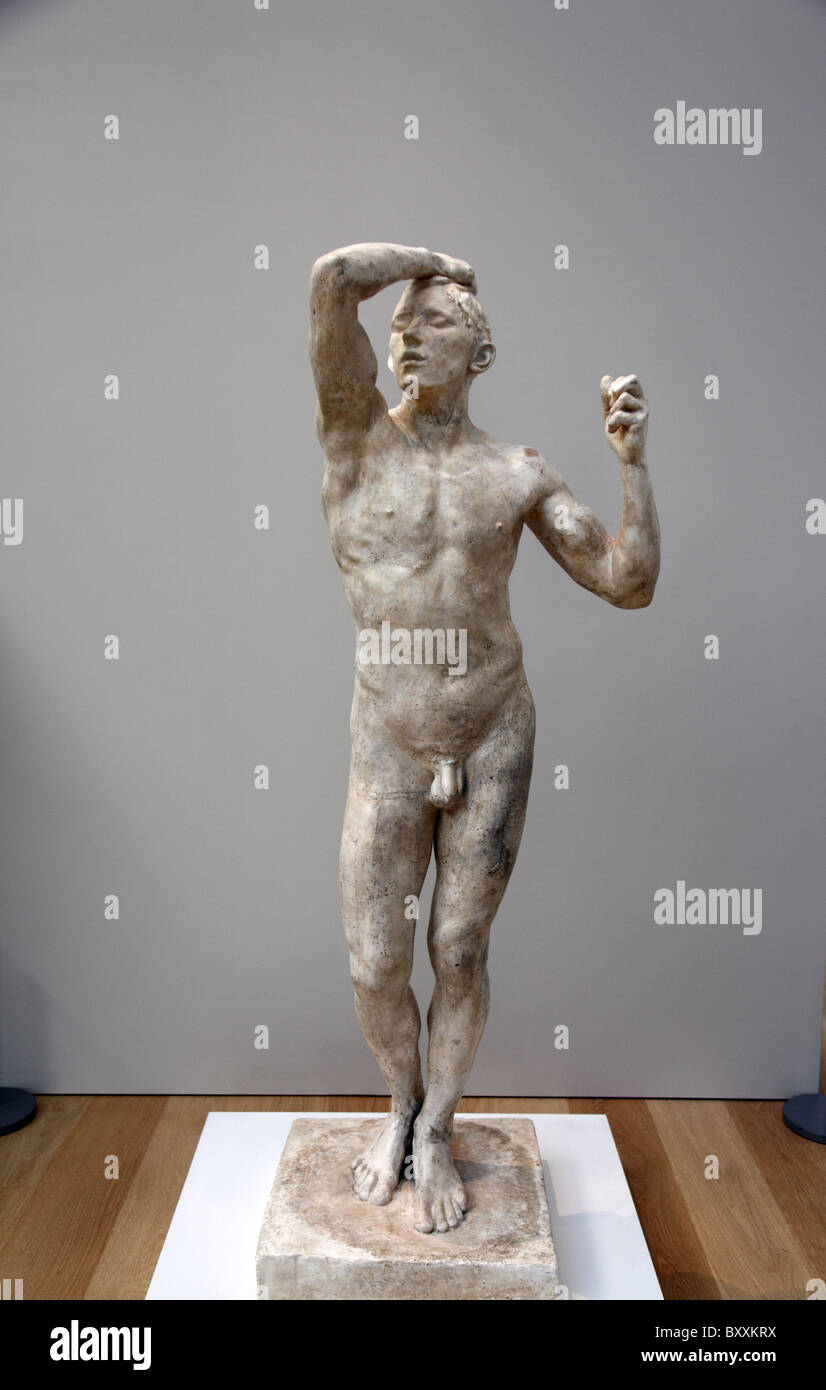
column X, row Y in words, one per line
column 319, row 1241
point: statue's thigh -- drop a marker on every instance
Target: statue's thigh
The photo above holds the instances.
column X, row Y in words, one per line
column 477, row 841
column 385, row 850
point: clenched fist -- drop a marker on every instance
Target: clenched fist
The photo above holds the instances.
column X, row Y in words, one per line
column 626, row 417
column 453, row 268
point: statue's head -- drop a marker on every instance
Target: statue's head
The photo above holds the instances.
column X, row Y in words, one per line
column 439, row 335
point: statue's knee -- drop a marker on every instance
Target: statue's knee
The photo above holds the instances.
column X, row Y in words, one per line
column 459, row 952
column 377, row 976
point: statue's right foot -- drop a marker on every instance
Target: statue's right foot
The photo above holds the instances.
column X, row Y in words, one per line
column 377, row 1170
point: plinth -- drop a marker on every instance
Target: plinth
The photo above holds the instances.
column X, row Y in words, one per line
column 318, row 1241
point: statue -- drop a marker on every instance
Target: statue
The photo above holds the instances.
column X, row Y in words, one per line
column 425, row 512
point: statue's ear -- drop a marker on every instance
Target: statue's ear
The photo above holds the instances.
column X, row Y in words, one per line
column 482, row 358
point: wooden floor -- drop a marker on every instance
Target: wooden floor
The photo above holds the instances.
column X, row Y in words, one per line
column 758, row 1231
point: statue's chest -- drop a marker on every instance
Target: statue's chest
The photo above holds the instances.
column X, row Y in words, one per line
column 417, row 513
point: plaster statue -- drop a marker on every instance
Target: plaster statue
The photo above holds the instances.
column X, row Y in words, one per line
column 425, row 511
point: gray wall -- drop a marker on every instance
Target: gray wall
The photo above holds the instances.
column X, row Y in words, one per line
column 134, row 777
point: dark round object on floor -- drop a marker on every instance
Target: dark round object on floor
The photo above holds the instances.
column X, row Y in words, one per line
column 16, row 1108
column 806, row 1115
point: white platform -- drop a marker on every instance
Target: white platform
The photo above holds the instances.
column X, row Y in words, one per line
column 209, row 1251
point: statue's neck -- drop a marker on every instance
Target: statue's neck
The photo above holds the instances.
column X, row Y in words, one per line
column 434, row 424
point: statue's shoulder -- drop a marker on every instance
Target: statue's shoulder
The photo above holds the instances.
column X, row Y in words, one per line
column 520, row 461
column 514, row 455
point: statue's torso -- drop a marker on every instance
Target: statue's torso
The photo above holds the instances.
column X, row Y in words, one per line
column 426, row 540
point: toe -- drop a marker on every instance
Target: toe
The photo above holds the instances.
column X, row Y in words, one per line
column 364, row 1186
column 459, row 1211
column 422, row 1219
column 439, row 1218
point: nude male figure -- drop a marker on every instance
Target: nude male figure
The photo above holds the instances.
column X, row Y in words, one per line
column 425, row 512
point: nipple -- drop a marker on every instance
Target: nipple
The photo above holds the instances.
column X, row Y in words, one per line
column 448, row 783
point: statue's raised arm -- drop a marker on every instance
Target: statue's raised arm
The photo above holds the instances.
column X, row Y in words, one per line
column 343, row 361
column 621, row 569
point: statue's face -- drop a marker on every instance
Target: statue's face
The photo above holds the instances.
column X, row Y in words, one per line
column 430, row 338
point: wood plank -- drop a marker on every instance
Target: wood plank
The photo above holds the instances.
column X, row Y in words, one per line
column 133, row 1244
column 511, row 1105
column 795, row 1170
column 26, row 1154
column 750, row 1246
column 12, row 1202
column 57, row 1238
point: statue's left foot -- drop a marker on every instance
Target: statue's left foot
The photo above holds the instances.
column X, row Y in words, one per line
column 440, row 1202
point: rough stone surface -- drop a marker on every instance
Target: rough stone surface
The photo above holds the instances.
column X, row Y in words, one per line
column 318, row 1241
